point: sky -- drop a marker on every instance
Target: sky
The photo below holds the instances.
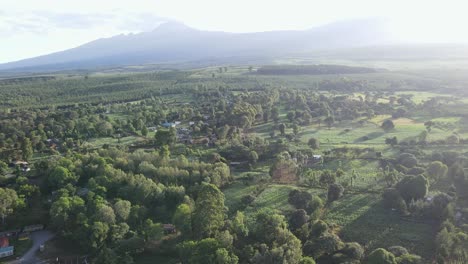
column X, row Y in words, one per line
column 30, row 28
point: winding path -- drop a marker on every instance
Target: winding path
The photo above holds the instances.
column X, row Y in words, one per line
column 38, row 238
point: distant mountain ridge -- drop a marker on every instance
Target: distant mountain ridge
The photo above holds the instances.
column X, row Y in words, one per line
column 175, row 42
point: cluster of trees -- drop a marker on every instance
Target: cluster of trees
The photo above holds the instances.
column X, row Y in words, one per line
column 312, row 69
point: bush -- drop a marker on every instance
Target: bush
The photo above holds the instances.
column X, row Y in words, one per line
column 398, row 250
column 388, row 125
column 248, row 199
column 408, row 160
column 409, row 259
column 314, row 143
column 353, row 250
column 318, row 228
column 381, row 256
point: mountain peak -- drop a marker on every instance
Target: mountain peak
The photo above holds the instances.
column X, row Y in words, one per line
column 171, row 26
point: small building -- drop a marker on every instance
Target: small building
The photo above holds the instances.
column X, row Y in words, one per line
column 82, row 192
column 23, row 236
column 169, row 124
column 4, row 242
column 32, row 228
column 22, row 165
column 6, row 251
column 10, row 233
column 169, row 228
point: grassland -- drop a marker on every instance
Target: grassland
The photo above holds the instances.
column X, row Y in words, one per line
column 362, row 218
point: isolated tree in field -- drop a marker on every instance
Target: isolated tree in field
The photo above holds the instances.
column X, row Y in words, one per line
column 314, row 143
column 296, row 129
column 275, row 114
column 8, row 201
column 392, row 200
column 428, row 125
column 388, row 125
column 391, row 141
column 327, row 177
column 335, row 191
column 453, row 139
column 436, row 170
column 329, row 121
column 282, row 128
column 290, row 116
column 209, row 213
column 381, row 256
column 413, row 187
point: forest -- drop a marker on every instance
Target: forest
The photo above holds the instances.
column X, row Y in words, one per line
column 298, row 164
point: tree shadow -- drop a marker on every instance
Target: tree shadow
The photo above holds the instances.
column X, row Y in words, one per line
column 378, row 227
column 370, row 136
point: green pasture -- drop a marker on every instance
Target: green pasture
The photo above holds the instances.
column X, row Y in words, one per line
column 362, row 218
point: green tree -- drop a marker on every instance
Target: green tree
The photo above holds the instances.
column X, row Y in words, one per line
column 282, row 128
column 8, row 201
column 60, row 177
column 26, row 149
column 107, row 256
column 238, row 225
column 335, row 191
column 152, row 231
column 253, row 157
column 144, row 131
column 105, row 214
column 388, row 125
column 182, row 219
column 209, row 213
column 413, row 187
column 381, row 256
column 98, row 235
column 3, row 167
column 165, row 137
column 122, row 209
column 314, row 143
column 224, row 257
column 436, row 170
column 329, row 121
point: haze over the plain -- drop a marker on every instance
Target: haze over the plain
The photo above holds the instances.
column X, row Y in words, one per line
column 31, row 28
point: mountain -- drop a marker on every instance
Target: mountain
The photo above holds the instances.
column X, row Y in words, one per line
column 175, row 42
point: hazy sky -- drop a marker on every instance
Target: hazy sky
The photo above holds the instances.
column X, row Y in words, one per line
column 35, row 27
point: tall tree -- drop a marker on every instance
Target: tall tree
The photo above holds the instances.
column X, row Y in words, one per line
column 26, row 149
column 8, row 201
column 209, row 211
